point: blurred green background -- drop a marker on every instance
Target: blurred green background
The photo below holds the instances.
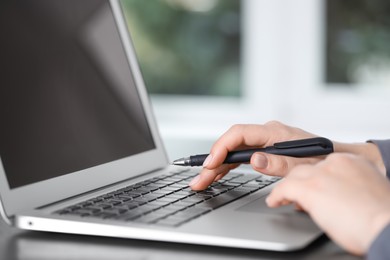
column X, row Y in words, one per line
column 358, row 42
column 187, row 47
column 193, row 47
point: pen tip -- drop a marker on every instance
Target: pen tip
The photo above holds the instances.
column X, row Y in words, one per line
column 180, row 161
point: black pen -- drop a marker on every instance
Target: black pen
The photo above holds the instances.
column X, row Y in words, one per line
column 296, row 148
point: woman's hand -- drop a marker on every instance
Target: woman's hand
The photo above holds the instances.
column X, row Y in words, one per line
column 344, row 194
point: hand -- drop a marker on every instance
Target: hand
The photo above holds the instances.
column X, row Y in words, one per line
column 344, row 194
column 251, row 136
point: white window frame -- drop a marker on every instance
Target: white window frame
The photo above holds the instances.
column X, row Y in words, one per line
column 282, row 79
column 351, row 113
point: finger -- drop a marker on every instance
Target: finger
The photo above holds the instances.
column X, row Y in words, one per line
column 294, row 188
column 223, row 174
column 298, row 207
column 277, row 165
column 206, row 177
column 236, row 137
column 285, row 193
column 219, row 177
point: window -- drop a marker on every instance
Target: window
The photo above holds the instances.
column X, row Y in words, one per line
column 298, row 63
column 358, row 42
column 187, row 47
column 313, row 96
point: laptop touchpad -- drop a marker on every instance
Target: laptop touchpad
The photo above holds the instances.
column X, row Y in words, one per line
column 260, row 206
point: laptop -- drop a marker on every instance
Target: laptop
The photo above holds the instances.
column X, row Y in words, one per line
column 80, row 149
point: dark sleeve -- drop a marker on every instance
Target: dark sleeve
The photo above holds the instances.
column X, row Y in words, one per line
column 384, row 148
column 379, row 249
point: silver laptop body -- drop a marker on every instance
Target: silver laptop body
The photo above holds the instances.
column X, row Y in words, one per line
column 77, row 128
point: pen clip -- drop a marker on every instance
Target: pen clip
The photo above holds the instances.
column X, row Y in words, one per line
column 316, row 141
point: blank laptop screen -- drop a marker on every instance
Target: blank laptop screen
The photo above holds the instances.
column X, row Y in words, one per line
column 68, row 100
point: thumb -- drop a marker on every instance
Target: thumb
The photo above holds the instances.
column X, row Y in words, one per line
column 277, row 165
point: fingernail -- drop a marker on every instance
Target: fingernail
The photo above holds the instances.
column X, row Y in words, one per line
column 208, row 160
column 260, row 161
column 194, row 181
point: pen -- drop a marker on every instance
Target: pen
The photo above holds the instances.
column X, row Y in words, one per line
column 296, row 148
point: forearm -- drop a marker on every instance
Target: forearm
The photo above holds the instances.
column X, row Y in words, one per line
column 369, row 150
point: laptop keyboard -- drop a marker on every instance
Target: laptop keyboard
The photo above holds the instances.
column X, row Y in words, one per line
column 167, row 200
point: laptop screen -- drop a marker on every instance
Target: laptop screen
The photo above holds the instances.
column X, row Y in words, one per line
column 68, row 100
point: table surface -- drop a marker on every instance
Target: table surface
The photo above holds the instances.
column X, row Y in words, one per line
column 20, row 244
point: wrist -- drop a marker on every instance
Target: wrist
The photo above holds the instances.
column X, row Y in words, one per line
column 368, row 151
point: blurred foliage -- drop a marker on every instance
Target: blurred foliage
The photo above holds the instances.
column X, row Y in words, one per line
column 189, row 47
column 358, row 39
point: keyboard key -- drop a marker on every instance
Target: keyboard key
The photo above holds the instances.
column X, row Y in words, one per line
column 86, row 204
column 115, row 211
column 140, row 200
column 210, row 192
column 164, row 212
column 141, row 191
column 245, row 190
column 170, row 188
column 130, row 215
column 230, row 185
column 193, row 200
column 181, row 204
column 147, row 208
column 113, row 202
column 93, row 209
column 231, row 176
column 158, row 204
column 188, row 190
column 124, row 198
column 177, row 206
column 203, row 196
column 148, row 219
column 63, row 211
column 265, row 180
column 130, row 204
column 252, row 186
column 133, row 194
column 103, row 205
column 124, row 207
column 172, row 198
column 184, row 194
column 164, row 191
column 152, row 196
column 81, row 212
column 95, row 200
column 75, row 207
column 103, row 215
column 243, row 179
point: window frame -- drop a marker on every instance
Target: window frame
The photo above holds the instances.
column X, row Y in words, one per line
column 352, row 111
